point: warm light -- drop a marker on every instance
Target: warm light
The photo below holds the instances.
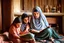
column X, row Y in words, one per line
column 16, row 6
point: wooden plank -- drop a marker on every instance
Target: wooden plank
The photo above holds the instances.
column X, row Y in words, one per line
column 7, row 13
column 62, row 2
column 30, row 5
column 0, row 17
column 45, row 2
column 25, row 5
column 22, row 4
column 51, row 20
column 55, row 2
column 42, row 5
column 50, row 2
column 33, row 4
column 37, row 4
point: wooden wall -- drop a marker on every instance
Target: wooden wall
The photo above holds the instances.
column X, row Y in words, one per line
column 28, row 5
column 16, row 4
column 0, row 17
column 7, row 15
column 63, row 6
column 63, row 16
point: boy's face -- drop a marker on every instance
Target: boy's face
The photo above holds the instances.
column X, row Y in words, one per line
column 36, row 15
column 26, row 20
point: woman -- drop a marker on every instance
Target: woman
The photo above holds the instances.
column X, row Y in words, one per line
column 25, row 27
column 14, row 30
column 40, row 26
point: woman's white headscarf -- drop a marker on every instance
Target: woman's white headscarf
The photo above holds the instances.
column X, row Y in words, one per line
column 43, row 23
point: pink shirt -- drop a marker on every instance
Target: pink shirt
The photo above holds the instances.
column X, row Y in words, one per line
column 14, row 31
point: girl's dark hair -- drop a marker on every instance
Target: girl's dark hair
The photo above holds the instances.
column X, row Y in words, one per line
column 17, row 20
column 24, row 15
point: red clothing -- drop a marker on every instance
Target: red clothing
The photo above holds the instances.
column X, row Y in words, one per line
column 14, row 33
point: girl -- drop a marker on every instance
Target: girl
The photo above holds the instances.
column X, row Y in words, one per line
column 14, row 30
column 25, row 27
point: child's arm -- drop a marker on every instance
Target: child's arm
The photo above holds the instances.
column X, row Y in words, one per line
column 27, row 28
column 26, row 31
column 15, row 34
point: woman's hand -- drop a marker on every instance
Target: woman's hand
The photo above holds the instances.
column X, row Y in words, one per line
column 35, row 31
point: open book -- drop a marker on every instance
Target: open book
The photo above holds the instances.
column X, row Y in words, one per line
column 24, row 34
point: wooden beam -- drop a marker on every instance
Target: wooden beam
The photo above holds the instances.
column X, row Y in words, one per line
column 7, row 15
column 0, row 17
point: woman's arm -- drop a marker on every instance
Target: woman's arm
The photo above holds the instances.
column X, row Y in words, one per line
column 34, row 31
column 45, row 28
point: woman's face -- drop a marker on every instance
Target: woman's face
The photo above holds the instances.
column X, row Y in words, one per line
column 26, row 20
column 36, row 15
column 18, row 25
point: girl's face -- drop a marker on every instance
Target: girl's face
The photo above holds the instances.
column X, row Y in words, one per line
column 18, row 25
column 26, row 20
column 36, row 15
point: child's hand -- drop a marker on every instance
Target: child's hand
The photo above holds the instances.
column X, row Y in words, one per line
column 27, row 27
